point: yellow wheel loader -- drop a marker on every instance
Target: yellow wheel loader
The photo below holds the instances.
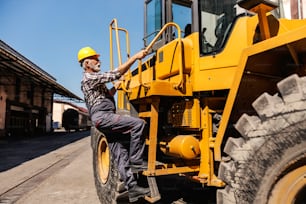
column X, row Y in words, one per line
column 223, row 91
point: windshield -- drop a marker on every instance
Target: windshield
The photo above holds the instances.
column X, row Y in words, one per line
column 153, row 20
column 216, row 18
column 182, row 16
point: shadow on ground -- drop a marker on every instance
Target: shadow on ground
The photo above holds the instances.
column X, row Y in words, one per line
column 14, row 152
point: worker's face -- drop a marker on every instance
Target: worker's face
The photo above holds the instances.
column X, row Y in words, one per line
column 93, row 63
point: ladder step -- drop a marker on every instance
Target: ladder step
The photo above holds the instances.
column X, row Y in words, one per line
column 155, row 196
column 145, row 114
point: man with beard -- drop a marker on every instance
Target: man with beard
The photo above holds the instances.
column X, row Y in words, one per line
column 102, row 109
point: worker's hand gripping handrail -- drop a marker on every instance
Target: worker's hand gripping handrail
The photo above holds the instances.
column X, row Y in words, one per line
column 111, row 28
column 179, row 85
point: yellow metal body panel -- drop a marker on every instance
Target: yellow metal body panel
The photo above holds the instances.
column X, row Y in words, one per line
column 168, row 56
column 171, row 170
column 287, row 25
column 222, row 71
column 283, row 39
column 153, row 134
column 217, row 72
column 160, row 88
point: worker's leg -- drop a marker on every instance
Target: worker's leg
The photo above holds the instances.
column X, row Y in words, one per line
column 112, row 123
column 134, row 127
column 120, row 157
column 115, row 123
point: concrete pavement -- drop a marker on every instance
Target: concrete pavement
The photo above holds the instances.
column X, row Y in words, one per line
column 58, row 170
column 63, row 175
column 73, row 184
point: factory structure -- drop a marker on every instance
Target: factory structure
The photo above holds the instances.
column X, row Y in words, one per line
column 26, row 96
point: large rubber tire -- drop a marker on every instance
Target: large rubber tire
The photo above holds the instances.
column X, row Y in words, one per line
column 267, row 164
column 109, row 188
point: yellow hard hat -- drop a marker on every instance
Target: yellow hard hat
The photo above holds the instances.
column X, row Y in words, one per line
column 86, row 52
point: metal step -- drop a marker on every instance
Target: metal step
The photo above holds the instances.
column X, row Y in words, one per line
column 155, row 196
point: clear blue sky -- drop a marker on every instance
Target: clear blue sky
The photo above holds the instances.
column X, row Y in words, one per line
column 50, row 32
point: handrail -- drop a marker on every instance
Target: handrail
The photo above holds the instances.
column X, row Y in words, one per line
column 114, row 21
column 179, row 85
column 111, row 28
column 161, row 31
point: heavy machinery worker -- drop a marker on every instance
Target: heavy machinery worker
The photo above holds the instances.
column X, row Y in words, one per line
column 102, row 109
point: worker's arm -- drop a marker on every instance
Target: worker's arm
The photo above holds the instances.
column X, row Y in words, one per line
column 124, row 67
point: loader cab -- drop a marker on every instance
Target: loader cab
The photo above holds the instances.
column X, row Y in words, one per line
column 213, row 20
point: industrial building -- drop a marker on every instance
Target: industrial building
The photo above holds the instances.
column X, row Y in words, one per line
column 26, row 95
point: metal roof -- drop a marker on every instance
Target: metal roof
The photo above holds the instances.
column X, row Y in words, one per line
column 12, row 62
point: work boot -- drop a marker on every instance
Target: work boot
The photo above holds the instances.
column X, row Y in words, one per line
column 137, row 192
